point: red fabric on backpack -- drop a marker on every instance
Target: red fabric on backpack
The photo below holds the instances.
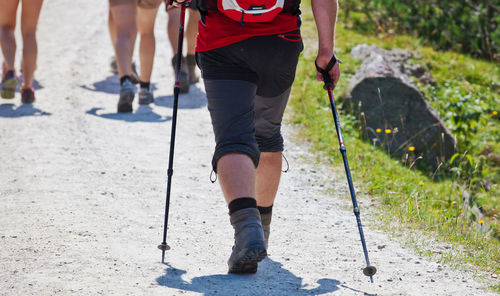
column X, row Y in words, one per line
column 219, row 30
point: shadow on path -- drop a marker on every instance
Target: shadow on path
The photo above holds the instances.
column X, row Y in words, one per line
column 10, row 111
column 272, row 279
column 110, row 85
column 142, row 114
column 195, row 99
column 36, row 84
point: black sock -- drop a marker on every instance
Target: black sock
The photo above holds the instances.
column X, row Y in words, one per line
column 242, row 203
column 122, row 79
column 265, row 210
column 144, row 84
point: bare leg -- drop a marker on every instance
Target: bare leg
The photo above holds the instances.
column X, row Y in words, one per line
column 29, row 21
column 112, row 29
column 7, row 25
column 236, row 176
column 125, row 19
column 174, row 18
column 192, row 31
column 146, row 25
column 268, row 178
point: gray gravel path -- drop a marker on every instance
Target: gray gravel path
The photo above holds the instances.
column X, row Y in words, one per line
column 82, row 193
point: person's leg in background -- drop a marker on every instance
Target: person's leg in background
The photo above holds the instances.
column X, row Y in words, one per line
column 29, row 21
column 113, row 63
column 173, row 23
column 124, row 18
column 147, row 48
column 191, row 33
column 8, row 43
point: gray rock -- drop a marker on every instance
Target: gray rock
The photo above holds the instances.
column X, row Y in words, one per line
column 386, row 99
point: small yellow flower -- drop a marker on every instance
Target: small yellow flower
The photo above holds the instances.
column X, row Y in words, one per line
column 494, row 113
column 421, row 183
column 481, row 222
column 411, row 148
column 388, row 131
column 378, row 131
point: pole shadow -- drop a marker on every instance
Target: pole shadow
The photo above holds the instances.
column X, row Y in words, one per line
column 110, row 85
column 194, row 99
column 271, row 279
column 11, row 111
column 142, row 114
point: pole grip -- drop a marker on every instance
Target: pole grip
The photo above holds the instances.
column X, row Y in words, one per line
column 327, row 79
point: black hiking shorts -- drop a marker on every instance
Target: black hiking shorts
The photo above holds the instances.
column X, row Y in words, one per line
column 247, row 85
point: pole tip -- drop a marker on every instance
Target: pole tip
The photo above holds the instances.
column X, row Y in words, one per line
column 370, row 270
column 164, row 247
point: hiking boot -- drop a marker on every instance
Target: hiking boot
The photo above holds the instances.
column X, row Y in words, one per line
column 126, row 97
column 191, row 65
column 145, row 96
column 183, row 75
column 9, row 84
column 27, row 95
column 249, row 248
column 266, row 226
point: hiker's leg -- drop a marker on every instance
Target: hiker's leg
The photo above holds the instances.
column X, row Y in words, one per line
column 236, row 174
column 124, row 16
column 236, row 153
column 192, row 31
column 7, row 26
column 174, row 18
column 146, row 25
column 276, row 73
column 230, row 103
column 112, row 28
column 268, row 116
column 29, row 20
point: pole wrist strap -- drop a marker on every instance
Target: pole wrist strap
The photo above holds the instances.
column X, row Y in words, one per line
column 327, row 79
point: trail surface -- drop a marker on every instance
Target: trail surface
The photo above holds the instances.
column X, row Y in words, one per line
column 82, row 192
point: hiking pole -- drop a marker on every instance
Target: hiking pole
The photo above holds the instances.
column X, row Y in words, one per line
column 163, row 246
column 369, row 270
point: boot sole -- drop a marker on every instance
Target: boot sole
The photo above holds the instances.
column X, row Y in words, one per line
column 249, row 261
column 125, row 103
column 9, row 89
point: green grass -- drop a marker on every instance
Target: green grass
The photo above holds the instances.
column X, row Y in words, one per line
column 466, row 96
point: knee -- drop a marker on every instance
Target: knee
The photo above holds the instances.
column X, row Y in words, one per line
column 230, row 147
column 149, row 35
column 268, row 134
column 7, row 29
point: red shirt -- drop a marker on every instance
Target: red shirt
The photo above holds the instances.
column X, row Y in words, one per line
column 220, row 30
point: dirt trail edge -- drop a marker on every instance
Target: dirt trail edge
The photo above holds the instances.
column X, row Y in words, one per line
column 82, row 192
